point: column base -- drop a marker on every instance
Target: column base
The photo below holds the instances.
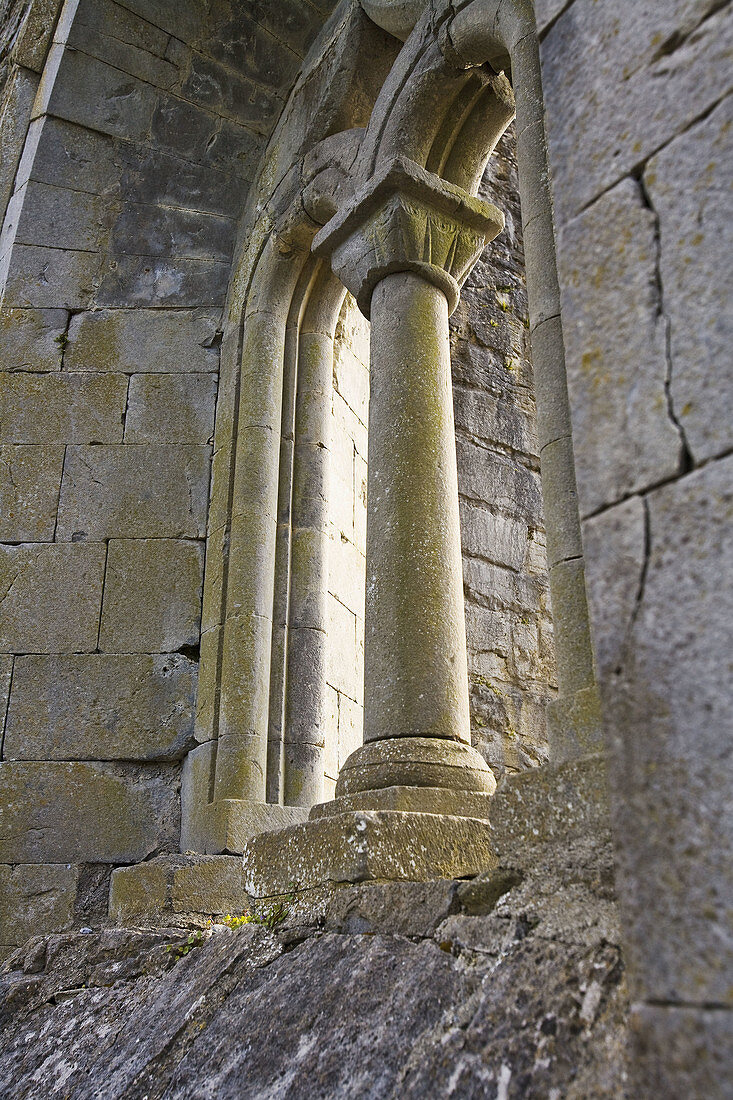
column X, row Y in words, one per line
column 422, row 800
column 225, row 825
column 367, row 845
column 416, row 762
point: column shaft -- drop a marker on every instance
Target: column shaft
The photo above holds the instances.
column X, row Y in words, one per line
column 416, row 680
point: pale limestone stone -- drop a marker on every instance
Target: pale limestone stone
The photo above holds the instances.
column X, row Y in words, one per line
column 668, row 719
column 169, row 408
column 353, row 847
column 144, row 340
column 33, row 40
column 32, row 339
column 615, row 341
column 51, row 597
column 427, row 800
column 169, row 231
column 615, row 544
column 346, row 573
column 342, row 673
column 506, row 486
column 147, row 491
column 499, row 538
column 72, row 812
column 161, row 282
column 688, row 184
column 6, row 672
column 581, row 58
column 36, row 899
column 101, row 707
column 152, row 595
column 62, row 408
column 30, row 479
column 16, row 102
column 350, row 727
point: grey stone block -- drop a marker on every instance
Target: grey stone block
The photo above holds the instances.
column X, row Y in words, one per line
column 30, row 479
column 688, row 183
column 49, row 278
column 32, row 339
column 36, row 899
column 501, row 539
column 108, row 32
column 101, row 97
column 681, row 1051
column 183, row 128
column 171, row 408
column 494, row 420
column 506, row 485
column 101, row 707
column 16, row 102
column 668, row 717
column 65, row 218
column 152, row 596
column 146, row 491
column 167, row 231
column 615, row 551
column 51, row 597
column 236, row 97
column 144, row 340
column 615, row 342
column 674, row 68
column 161, row 282
column 62, row 408
column 69, row 812
column 6, row 672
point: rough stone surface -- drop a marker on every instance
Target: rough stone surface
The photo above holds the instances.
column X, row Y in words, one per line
column 669, row 717
column 615, row 343
column 647, row 72
column 688, row 184
column 32, row 339
column 101, row 707
column 166, row 408
column 148, row 491
column 61, row 408
column 30, row 479
column 143, row 340
column 682, row 1051
column 35, row 898
column 36, row 581
column 509, row 984
column 152, row 596
column 74, row 812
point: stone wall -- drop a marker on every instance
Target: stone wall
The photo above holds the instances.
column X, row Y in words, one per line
column 639, row 130
column 128, row 146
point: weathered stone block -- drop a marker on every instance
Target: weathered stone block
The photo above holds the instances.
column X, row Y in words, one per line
column 505, row 485
column 72, row 812
column 500, row 538
column 36, row 898
column 101, row 97
column 236, row 97
column 213, row 885
column 681, row 1051
column 688, row 184
column 343, row 672
column 34, row 36
column 668, row 715
column 673, row 64
column 615, row 342
column 144, row 340
column 30, row 478
column 6, row 672
column 358, row 846
column 109, row 33
column 615, row 551
column 68, row 219
column 101, row 707
column 52, row 596
column 62, row 408
column 16, row 101
column 346, row 573
column 49, row 278
column 168, row 408
column 160, row 282
column 168, row 231
column 494, row 420
column 152, row 595
column 134, row 492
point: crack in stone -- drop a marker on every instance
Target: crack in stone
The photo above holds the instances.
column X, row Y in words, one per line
column 686, row 462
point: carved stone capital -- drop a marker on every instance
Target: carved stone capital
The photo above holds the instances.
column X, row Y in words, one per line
column 407, row 219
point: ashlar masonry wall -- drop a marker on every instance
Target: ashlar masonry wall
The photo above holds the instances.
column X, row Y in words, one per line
column 130, row 134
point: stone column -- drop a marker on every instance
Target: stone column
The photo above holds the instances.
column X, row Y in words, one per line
column 403, row 247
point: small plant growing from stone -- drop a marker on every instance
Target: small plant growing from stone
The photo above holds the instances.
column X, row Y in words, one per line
column 178, row 950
